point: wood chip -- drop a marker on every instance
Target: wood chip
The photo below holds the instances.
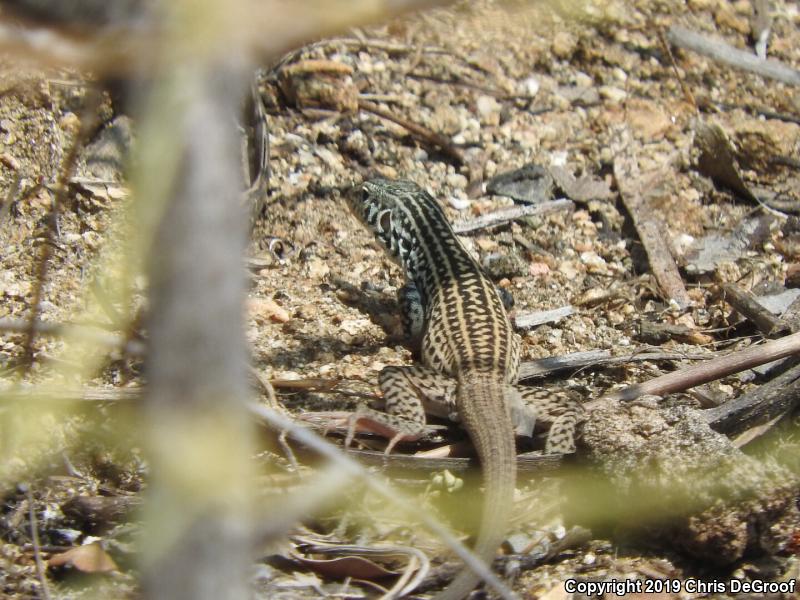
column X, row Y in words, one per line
column 651, row 229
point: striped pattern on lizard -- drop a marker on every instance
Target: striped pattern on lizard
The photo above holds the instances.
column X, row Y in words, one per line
column 469, row 355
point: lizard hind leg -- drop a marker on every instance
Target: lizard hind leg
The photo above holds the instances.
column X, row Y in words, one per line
column 559, row 412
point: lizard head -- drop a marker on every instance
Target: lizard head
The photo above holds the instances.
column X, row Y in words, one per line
column 383, row 205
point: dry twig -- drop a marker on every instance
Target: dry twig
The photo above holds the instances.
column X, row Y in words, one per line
column 747, row 304
column 96, row 335
column 687, row 92
column 37, row 553
column 61, row 190
column 726, row 54
column 597, row 358
column 530, row 319
column 709, row 371
column 506, row 215
column 651, row 231
column 431, row 137
column 763, row 404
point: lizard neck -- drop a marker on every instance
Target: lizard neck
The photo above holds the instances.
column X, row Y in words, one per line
column 466, row 324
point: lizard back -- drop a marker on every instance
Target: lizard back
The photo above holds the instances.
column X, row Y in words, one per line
column 466, row 327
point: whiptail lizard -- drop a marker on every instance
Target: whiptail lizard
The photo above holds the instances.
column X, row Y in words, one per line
column 470, row 355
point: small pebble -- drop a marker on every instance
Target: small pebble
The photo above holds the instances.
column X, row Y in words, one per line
column 459, row 203
column 583, row 80
column 531, row 86
column 488, row 110
column 613, row 94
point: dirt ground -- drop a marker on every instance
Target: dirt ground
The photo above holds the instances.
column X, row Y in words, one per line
column 508, row 84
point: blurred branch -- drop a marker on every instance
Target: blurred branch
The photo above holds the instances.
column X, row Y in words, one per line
column 379, row 486
column 37, row 554
column 733, row 57
column 199, row 521
column 90, row 334
column 265, row 28
column 65, row 173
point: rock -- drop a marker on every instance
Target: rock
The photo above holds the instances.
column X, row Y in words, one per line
column 758, row 141
column 456, row 181
column 531, row 86
column 499, row 266
column 612, row 94
column 720, row 502
column 648, row 122
column 531, row 183
column 266, row 309
column 325, row 84
column 564, row 45
column 727, row 18
column 488, row 110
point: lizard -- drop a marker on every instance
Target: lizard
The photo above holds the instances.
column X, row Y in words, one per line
column 469, row 353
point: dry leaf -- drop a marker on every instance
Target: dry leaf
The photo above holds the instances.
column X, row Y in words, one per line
column 707, row 253
column 89, row 558
column 346, row 566
column 580, row 189
column 530, row 183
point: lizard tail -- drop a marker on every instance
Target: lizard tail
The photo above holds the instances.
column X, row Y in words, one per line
column 485, row 416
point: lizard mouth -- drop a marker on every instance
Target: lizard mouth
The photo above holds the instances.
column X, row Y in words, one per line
column 356, row 198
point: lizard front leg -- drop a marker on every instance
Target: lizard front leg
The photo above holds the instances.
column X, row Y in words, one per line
column 412, row 313
column 409, row 393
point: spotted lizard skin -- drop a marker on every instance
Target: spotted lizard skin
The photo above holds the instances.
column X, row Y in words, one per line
column 469, row 354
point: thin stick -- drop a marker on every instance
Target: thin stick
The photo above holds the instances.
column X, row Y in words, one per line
column 531, row 464
column 686, row 91
column 96, row 335
column 11, row 196
column 433, row 138
column 382, row 488
column 266, row 387
column 709, row 371
column 499, row 94
column 505, row 215
column 319, row 384
column 68, row 165
column 759, row 406
column 597, row 358
column 528, row 319
column 28, row 396
column 550, row 364
column 726, row 54
column 747, row 304
column 37, row 555
column 651, row 232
